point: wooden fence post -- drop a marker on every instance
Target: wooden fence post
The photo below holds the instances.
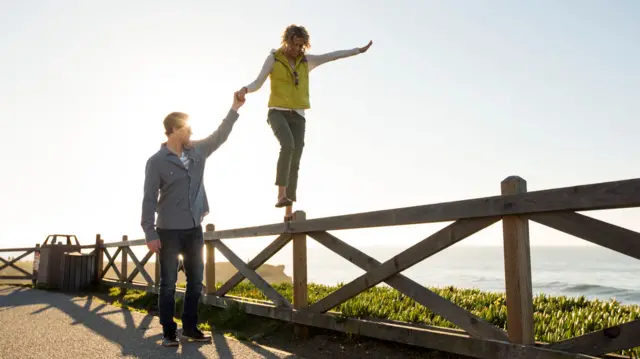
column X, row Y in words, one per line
column 156, row 274
column 97, row 274
column 123, row 264
column 517, row 266
column 300, row 291
column 36, row 265
column 210, row 275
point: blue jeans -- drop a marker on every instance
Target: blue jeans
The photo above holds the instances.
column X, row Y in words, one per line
column 189, row 243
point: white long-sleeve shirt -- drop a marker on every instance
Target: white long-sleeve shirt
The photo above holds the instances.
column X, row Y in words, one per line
column 312, row 60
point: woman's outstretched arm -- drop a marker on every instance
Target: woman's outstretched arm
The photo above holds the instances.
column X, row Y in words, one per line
column 317, row 60
column 262, row 76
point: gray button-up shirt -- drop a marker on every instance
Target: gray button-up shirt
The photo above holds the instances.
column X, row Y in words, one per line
column 183, row 200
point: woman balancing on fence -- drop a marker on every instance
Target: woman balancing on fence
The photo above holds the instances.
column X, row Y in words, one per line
column 288, row 69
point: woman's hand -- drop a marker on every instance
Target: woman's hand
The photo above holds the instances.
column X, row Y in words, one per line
column 364, row 49
column 243, row 91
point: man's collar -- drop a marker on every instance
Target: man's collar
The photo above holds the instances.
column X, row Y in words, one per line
column 164, row 149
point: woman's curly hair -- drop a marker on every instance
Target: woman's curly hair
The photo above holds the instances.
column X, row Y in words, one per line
column 294, row 30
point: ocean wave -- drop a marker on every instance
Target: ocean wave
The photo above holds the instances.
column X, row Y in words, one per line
column 590, row 290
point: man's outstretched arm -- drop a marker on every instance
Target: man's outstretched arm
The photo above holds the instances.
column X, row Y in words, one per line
column 150, row 201
column 317, row 60
column 212, row 142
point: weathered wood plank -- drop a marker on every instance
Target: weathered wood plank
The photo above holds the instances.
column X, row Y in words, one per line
column 124, row 262
column 12, row 265
column 426, row 338
column 134, row 285
column 431, row 245
column 12, row 262
column 605, row 234
column 210, row 263
column 605, row 195
column 31, row 249
column 90, row 261
column 111, row 263
column 255, row 263
column 517, row 268
column 139, row 266
column 156, row 274
column 78, row 272
column 259, row 231
column 472, row 324
column 99, row 258
column 250, row 274
column 64, row 274
column 300, row 289
column 16, row 277
column 137, row 242
column 609, row 340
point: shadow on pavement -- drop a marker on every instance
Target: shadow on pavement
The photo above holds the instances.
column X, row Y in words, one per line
column 131, row 339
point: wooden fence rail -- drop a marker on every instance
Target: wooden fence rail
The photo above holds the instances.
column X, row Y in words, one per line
column 515, row 207
column 6, row 264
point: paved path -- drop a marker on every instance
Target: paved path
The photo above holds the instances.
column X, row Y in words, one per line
column 40, row 324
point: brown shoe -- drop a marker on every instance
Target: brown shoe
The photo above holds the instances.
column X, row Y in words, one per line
column 283, row 202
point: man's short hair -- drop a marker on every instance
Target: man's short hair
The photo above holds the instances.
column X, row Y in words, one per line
column 174, row 120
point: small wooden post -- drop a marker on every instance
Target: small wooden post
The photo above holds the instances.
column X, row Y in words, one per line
column 97, row 274
column 210, row 277
column 517, row 266
column 300, row 291
column 123, row 264
column 36, row 265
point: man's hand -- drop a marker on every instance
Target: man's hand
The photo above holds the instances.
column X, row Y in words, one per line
column 241, row 94
column 364, row 49
column 154, row 246
column 238, row 101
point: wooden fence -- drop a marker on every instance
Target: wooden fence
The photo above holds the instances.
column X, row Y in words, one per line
column 12, row 263
column 515, row 207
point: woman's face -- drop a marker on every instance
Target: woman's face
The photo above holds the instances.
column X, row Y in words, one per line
column 295, row 46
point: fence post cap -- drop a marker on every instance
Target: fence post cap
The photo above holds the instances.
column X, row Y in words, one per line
column 513, row 185
column 210, row 227
column 513, row 178
column 299, row 215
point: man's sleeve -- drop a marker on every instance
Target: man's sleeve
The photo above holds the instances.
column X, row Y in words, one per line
column 317, row 60
column 267, row 66
column 150, row 201
column 211, row 143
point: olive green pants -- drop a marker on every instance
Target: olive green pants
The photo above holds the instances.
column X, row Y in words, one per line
column 289, row 129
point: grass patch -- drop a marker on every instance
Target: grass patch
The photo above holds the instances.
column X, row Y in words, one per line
column 231, row 321
column 556, row 317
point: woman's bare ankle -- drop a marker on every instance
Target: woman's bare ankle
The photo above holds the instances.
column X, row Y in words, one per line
column 282, row 192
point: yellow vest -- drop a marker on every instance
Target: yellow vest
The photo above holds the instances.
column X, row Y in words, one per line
column 284, row 92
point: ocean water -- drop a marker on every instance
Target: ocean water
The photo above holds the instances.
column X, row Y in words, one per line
column 594, row 272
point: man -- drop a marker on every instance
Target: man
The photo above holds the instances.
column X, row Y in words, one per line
column 176, row 172
column 288, row 69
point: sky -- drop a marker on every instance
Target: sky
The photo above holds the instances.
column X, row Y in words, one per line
column 452, row 98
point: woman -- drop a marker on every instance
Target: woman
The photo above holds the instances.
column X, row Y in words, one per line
column 288, row 69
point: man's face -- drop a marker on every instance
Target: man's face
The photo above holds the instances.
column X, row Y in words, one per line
column 183, row 133
column 295, row 46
